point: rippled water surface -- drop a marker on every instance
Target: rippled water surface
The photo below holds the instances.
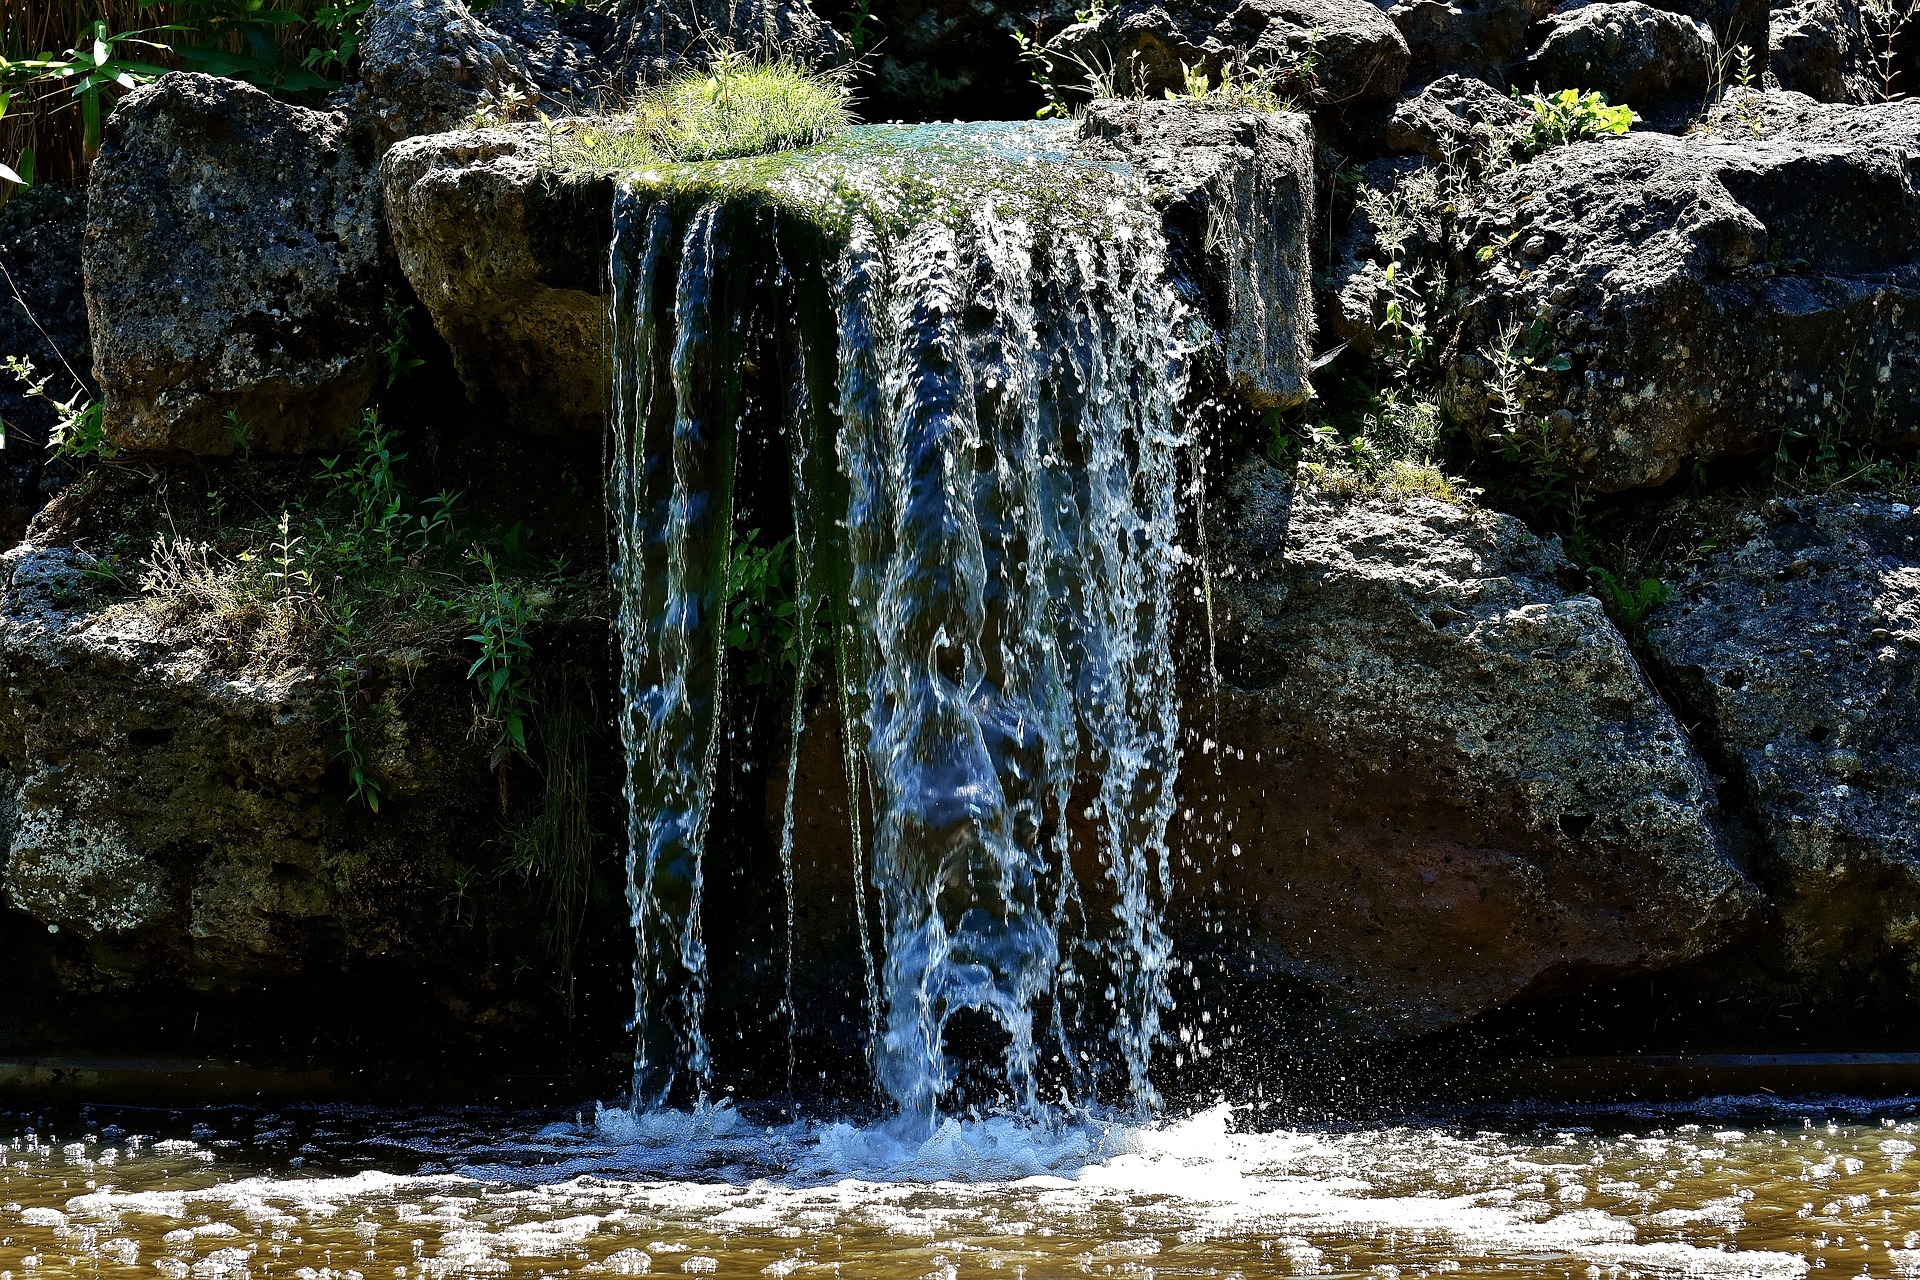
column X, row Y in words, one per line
column 1730, row 1188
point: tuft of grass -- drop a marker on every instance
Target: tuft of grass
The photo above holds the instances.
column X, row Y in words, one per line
column 741, row 105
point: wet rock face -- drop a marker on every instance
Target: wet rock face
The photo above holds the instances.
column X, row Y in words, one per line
column 1660, row 63
column 1798, row 648
column 1236, row 192
column 177, row 824
column 1693, row 298
column 237, row 270
column 1445, row 784
column 509, row 259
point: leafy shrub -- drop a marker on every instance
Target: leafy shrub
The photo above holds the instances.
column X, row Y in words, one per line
column 52, row 104
column 1569, row 116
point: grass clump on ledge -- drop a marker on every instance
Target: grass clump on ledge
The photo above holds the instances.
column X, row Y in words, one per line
column 741, row 105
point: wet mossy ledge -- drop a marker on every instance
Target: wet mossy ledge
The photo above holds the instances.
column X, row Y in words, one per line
column 504, row 235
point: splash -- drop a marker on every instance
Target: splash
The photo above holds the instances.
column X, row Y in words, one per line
column 966, row 340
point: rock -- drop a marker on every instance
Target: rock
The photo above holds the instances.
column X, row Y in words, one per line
column 509, row 259
column 1661, row 64
column 1734, row 23
column 509, row 256
column 178, row 823
column 1328, row 52
column 1827, row 50
column 237, row 270
column 1481, row 38
column 1236, row 190
column 657, row 38
column 1797, row 648
column 1444, row 783
column 1450, row 119
column 1698, row 297
column 43, row 319
column 1355, row 292
column 427, row 66
column 570, row 74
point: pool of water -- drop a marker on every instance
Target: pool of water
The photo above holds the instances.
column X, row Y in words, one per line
column 1726, row 1187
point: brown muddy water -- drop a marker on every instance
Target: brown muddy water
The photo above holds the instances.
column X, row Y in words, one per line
column 1729, row 1187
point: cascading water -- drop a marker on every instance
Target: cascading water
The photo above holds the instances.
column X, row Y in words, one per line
column 967, row 341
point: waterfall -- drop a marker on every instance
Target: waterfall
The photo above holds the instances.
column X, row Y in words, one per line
column 978, row 377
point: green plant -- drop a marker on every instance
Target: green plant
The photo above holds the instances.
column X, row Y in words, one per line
column 500, row 614
column 742, row 104
column 763, row 618
column 1554, row 120
column 79, row 430
column 243, row 40
column 1630, row 607
column 1885, row 20
column 396, row 349
column 551, row 850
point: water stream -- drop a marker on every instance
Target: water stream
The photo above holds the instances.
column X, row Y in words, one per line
column 966, row 343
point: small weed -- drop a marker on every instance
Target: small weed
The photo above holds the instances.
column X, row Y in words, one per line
column 79, row 431
column 1630, row 607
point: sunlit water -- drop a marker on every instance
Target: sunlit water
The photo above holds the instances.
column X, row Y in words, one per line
column 1734, row 1188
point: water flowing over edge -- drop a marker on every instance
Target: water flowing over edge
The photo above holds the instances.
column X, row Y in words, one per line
column 983, row 431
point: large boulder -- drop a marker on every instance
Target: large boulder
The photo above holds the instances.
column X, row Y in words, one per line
column 509, row 258
column 1796, row 647
column 1650, row 301
column 1443, row 783
column 428, row 65
column 237, row 270
column 1661, row 64
column 175, row 821
column 1451, row 120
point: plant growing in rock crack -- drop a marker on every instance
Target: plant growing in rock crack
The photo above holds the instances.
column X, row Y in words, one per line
column 1884, row 21
column 1555, row 120
column 361, row 582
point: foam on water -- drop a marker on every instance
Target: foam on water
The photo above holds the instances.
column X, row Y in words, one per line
column 623, row 1194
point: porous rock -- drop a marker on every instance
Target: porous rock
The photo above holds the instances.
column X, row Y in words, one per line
column 509, row 255
column 175, row 822
column 1332, row 52
column 428, row 65
column 1450, row 119
column 1235, row 191
column 509, row 259
column 237, row 270
column 1481, row 38
column 1823, row 48
column 654, row 39
column 1797, row 648
column 1661, row 64
column 1697, row 297
column 1443, row 783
